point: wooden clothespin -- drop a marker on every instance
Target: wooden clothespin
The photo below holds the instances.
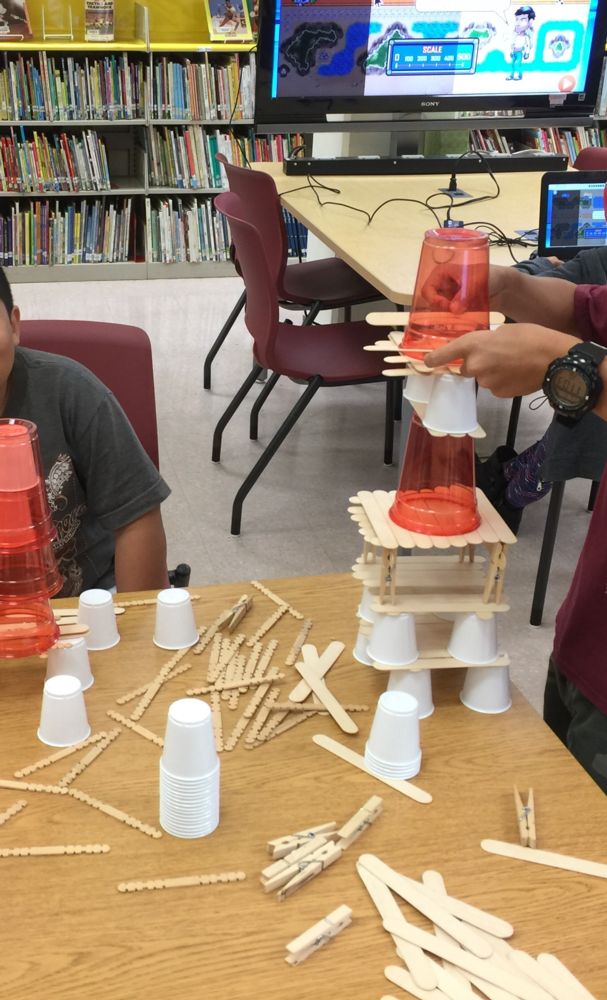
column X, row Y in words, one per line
column 320, row 934
column 291, row 841
column 354, row 827
column 234, row 615
column 310, row 867
column 281, row 871
column 525, row 815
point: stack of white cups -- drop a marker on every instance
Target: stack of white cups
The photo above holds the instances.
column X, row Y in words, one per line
column 393, row 748
column 189, row 771
column 366, row 617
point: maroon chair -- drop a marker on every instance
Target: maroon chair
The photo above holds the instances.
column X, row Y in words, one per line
column 310, row 285
column 591, row 158
column 328, row 355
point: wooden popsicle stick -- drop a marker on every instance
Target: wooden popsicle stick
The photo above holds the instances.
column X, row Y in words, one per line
column 136, row 728
column 325, row 661
column 73, row 612
column 333, row 706
column 73, row 629
column 181, row 882
column 277, row 600
column 434, row 881
column 88, row 758
column 419, row 965
column 548, row 858
column 236, row 686
column 59, row 755
column 52, row 849
column 577, row 990
column 400, row 977
column 511, row 981
column 12, row 811
column 351, row 757
column 301, row 638
column 430, row 906
column 388, row 318
column 546, row 978
column 118, row 814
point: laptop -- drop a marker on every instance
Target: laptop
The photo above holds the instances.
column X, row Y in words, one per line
column 572, row 213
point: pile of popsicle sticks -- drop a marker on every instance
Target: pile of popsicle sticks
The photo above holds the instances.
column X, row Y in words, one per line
column 468, row 955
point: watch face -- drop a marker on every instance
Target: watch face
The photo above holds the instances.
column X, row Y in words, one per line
column 569, row 388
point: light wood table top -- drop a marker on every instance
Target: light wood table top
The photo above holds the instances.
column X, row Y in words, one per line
column 386, row 252
column 68, row 934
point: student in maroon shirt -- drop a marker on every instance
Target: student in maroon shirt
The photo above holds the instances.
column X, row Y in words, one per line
column 550, row 317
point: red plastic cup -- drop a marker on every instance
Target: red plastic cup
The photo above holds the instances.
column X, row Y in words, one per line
column 436, row 494
column 27, row 627
column 25, row 519
column 29, row 572
column 451, row 294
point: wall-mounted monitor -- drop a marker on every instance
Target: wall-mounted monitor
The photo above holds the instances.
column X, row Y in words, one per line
column 368, row 57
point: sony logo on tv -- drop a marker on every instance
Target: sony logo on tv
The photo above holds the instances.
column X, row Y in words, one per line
column 430, row 104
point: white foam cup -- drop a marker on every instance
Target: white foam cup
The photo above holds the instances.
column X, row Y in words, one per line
column 417, row 683
column 359, row 652
column 451, row 408
column 63, row 719
column 393, row 747
column 189, row 741
column 189, row 807
column 487, row 690
column 70, row 656
column 474, row 639
column 175, row 626
column 393, row 641
column 365, row 608
column 96, row 609
column 418, row 387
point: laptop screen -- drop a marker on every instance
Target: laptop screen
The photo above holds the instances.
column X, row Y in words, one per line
column 572, row 213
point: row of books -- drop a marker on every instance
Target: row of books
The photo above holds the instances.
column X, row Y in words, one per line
column 297, row 237
column 57, row 162
column 185, row 157
column 203, row 90
column 92, row 231
column 45, row 87
column 185, row 230
column 567, row 141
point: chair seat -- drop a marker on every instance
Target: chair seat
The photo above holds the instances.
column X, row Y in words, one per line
column 328, row 281
column 335, row 351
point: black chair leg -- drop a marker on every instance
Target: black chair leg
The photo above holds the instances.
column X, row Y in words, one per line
column 311, row 315
column 227, row 326
column 543, row 569
column 389, row 425
column 231, row 410
column 515, row 410
column 594, row 489
column 257, row 405
column 398, row 398
column 269, row 452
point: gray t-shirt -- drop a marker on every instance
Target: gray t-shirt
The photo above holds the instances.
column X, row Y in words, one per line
column 98, row 476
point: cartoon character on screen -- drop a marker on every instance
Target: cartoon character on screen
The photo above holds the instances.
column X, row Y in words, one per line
column 522, row 40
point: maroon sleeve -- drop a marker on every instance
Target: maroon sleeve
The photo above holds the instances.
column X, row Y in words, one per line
column 590, row 311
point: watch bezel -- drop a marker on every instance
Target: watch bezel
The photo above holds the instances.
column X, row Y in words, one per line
column 586, row 365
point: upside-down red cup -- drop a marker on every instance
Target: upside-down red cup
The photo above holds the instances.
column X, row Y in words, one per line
column 27, row 627
column 29, row 572
column 25, row 519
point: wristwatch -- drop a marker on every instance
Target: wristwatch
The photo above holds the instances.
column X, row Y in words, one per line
column 572, row 384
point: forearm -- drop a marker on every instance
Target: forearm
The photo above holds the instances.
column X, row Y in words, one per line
column 528, row 299
column 140, row 554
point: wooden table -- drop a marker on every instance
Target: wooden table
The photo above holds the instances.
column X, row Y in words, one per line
column 386, row 252
column 68, row 934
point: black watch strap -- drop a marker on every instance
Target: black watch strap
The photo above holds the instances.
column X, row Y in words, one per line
column 588, row 349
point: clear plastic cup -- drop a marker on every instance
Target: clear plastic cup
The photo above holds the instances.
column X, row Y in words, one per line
column 63, row 718
column 417, row 387
column 393, row 642
column 175, row 625
column 487, row 690
column 71, row 656
column 452, row 405
column 27, row 627
column 436, row 494
column 474, row 639
column 417, row 683
column 96, row 609
column 393, row 747
column 189, row 741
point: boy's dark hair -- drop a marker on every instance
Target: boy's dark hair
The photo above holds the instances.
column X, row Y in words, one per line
column 529, row 11
column 6, row 295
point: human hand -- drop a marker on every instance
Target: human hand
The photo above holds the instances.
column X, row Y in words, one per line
column 510, row 361
column 455, row 289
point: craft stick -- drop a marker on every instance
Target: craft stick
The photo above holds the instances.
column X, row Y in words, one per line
column 39, row 852
column 320, row 689
column 156, row 684
column 118, row 814
column 181, row 882
column 251, row 665
column 146, row 602
column 263, row 713
column 453, row 984
column 313, row 707
column 546, row 978
column 217, row 721
column 577, row 990
column 301, row 638
column 434, row 882
column 210, row 633
column 73, row 612
column 279, row 847
column 277, row 600
column 421, row 968
column 214, row 668
column 30, row 786
column 276, row 727
column 360, row 821
column 317, row 936
column 407, row 983
column 323, row 664
column 137, row 692
column 267, row 625
column 510, row 981
column 59, row 755
column 88, row 758
column 350, row 757
column 237, row 685
column 548, row 858
column 247, row 715
column 430, row 906
column 136, row 728
column 12, row 811
column 72, row 629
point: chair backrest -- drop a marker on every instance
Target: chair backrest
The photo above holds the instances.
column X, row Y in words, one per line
column 262, row 208
column 591, row 158
column 120, row 356
column 261, row 315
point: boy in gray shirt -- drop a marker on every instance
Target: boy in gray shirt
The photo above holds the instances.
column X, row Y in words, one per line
column 104, row 491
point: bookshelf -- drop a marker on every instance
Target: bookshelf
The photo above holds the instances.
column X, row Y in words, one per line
column 107, row 149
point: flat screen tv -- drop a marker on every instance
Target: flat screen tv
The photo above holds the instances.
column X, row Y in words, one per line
column 368, row 57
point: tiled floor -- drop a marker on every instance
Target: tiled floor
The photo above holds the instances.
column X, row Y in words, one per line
column 295, row 519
